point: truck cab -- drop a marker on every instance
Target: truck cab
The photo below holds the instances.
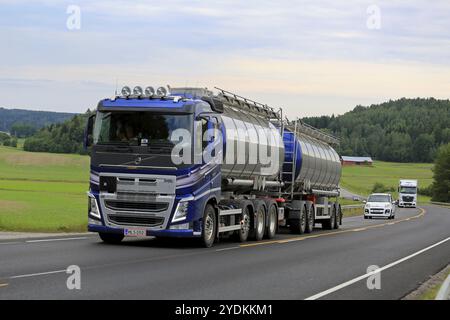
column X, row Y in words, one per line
column 407, row 193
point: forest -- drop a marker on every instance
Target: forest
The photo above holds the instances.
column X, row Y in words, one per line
column 66, row 137
column 22, row 123
column 404, row 130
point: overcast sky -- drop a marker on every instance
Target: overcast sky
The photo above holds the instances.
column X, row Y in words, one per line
column 309, row 57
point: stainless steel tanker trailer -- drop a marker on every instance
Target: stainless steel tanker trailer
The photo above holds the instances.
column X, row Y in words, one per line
column 243, row 170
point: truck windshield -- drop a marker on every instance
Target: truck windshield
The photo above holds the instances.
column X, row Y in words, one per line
column 378, row 198
column 138, row 128
column 408, row 190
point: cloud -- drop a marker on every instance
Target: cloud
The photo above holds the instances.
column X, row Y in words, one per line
column 287, row 52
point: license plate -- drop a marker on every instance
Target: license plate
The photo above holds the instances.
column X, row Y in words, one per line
column 135, row 232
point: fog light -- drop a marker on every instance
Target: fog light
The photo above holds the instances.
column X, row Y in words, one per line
column 93, row 208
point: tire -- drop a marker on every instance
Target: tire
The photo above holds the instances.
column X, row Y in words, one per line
column 209, row 226
column 260, row 221
column 242, row 234
column 329, row 223
column 272, row 220
column 337, row 216
column 298, row 226
column 309, row 214
column 111, row 238
column 366, row 217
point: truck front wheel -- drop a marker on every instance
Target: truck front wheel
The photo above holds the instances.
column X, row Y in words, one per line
column 209, row 226
column 111, row 238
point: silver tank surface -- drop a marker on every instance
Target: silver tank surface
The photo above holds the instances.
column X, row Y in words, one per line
column 247, row 128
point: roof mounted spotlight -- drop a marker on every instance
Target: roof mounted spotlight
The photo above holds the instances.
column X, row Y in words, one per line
column 162, row 91
column 149, row 92
column 126, row 91
column 137, row 91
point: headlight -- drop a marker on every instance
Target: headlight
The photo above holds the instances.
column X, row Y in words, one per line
column 93, row 208
column 181, row 211
column 367, row 206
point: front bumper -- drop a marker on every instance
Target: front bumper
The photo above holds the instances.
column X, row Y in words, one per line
column 378, row 212
column 187, row 233
column 407, row 204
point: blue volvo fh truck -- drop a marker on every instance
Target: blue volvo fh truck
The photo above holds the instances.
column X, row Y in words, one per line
column 195, row 163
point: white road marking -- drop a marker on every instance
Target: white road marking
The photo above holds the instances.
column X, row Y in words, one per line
column 364, row 276
column 37, row 274
column 60, row 239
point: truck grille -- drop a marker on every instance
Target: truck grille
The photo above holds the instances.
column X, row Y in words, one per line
column 408, row 198
column 136, row 220
column 376, row 211
column 136, row 206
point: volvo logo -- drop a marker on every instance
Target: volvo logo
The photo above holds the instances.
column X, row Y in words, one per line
column 138, row 160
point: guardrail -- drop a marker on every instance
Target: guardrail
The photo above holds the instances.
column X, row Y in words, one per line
column 444, row 292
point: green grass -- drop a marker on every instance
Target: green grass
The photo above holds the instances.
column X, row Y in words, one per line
column 360, row 179
column 42, row 192
column 432, row 292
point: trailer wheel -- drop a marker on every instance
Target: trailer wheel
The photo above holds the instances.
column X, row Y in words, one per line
column 328, row 224
column 309, row 225
column 260, row 221
column 298, row 226
column 209, row 226
column 111, row 238
column 272, row 224
column 337, row 217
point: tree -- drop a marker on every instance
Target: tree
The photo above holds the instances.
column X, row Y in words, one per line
column 441, row 184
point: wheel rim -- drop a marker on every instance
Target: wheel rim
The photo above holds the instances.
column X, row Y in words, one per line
column 209, row 227
column 260, row 222
column 245, row 223
column 272, row 222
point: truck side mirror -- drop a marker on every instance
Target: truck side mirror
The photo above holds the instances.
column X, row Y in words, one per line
column 364, row 201
column 88, row 133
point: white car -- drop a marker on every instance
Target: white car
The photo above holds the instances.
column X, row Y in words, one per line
column 379, row 205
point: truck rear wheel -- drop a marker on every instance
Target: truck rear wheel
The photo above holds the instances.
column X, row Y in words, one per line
column 260, row 221
column 272, row 219
column 209, row 226
column 245, row 225
column 111, row 238
column 298, row 226
column 309, row 226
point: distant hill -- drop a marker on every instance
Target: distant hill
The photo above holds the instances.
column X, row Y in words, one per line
column 35, row 119
column 405, row 130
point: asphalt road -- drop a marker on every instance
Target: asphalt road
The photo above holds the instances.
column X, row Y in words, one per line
column 323, row 265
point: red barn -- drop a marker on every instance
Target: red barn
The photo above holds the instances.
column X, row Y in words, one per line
column 349, row 161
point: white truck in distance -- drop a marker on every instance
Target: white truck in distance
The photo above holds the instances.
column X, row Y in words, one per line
column 407, row 193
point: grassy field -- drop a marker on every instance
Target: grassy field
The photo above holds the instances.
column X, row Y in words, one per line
column 46, row 192
column 42, row 192
column 360, row 179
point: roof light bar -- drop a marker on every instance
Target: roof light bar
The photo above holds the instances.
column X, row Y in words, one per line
column 149, row 92
column 126, row 91
column 137, row 91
